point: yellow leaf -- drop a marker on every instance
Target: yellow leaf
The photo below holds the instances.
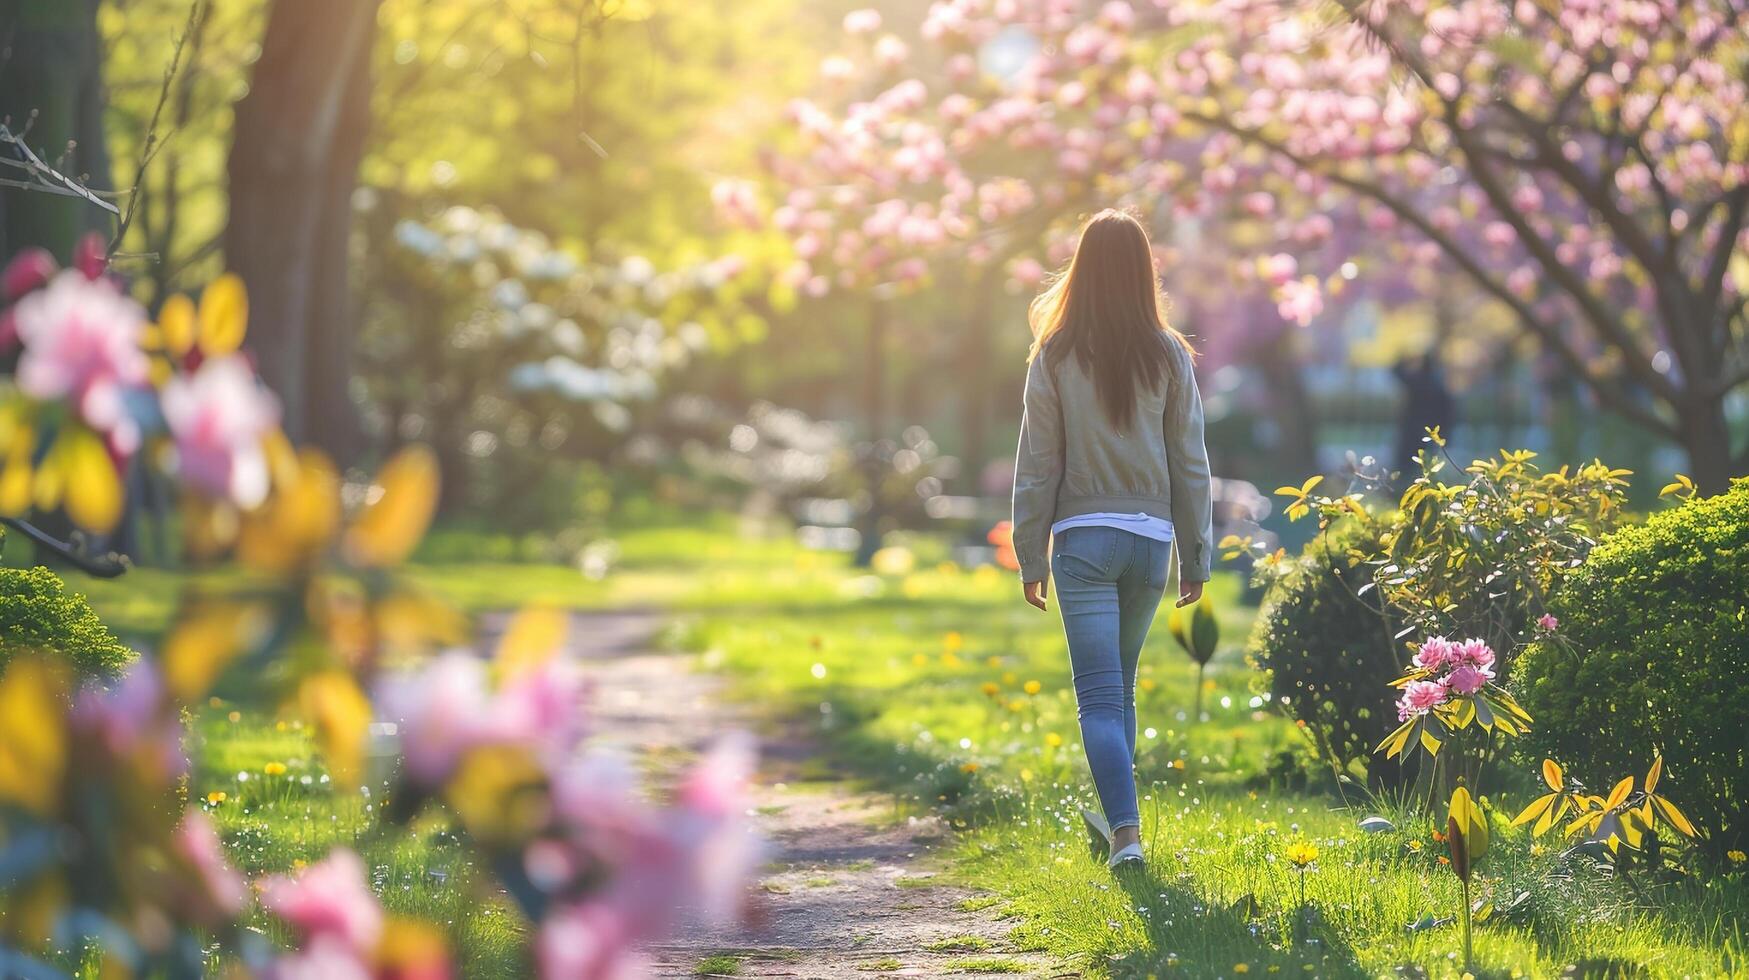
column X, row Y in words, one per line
column 1429, row 742
column 1536, row 809
column 1674, row 816
column 1552, row 774
column 496, row 793
column 533, row 637
column 391, row 527
column 1653, row 773
column 298, row 520
column 1311, row 482
column 33, row 735
column 176, row 325
column 1619, row 793
column 204, row 642
column 1550, row 817
column 93, row 488
column 224, row 316
column 341, row 714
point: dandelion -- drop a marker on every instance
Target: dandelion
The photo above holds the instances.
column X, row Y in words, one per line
column 1736, row 857
column 918, row 660
column 216, row 797
column 1053, row 740
column 990, row 689
column 1033, row 687
column 1241, row 968
column 274, row 769
column 968, row 767
column 953, row 642
column 234, row 717
column 1302, row 853
column 1147, row 684
column 994, row 661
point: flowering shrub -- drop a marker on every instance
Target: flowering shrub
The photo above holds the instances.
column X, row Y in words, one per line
column 1651, row 628
column 1320, row 651
column 95, row 830
column 1449, row 688
column 1479, row 557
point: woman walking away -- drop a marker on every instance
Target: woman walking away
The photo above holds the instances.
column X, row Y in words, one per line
column 1111, row 472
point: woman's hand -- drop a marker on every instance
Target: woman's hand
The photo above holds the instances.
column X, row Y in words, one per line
column 1188, row 592
column 1035, row 592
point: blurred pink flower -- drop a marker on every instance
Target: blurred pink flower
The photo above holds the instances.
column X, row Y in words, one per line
column 81, row 343
column 1420, row 697
column 219, row 418
column 323, row 958
column 1300, row 300
column 588, row 941
column 330, row 899
column 890, row 52
column 223, row 890
column 1548, row 622
column 864, row 21
column 29, row 271
column 129, row 713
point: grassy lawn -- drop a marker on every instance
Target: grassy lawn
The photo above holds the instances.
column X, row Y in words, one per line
column 943, row 687
column 922, row 682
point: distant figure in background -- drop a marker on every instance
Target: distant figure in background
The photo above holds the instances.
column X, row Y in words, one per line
column 1427, row 403
column 1110, row 476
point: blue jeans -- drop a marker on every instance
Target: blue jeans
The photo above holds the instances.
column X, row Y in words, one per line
column 1109, row 583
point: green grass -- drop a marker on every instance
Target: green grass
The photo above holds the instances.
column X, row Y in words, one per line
column 721, row 965
column 896, row 675
column 986, row 964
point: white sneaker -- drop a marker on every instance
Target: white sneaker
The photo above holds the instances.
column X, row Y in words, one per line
column 1097, row 829
column 1129, row 856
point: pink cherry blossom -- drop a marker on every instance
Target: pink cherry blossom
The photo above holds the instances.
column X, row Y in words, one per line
column 1300, row 300
column 864, row 21
column 81, row 343
column 330, row 899
column 219, row 418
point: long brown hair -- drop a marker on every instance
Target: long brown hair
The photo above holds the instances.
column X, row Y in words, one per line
column 1107, row 308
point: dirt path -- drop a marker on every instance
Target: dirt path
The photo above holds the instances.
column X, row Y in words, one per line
column 851, row 888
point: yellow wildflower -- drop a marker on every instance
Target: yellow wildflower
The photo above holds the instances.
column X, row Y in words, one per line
column 274, row 769
column 1053, row 740
column 1302, row 853
column 1033, row 687
column 990, row 689
column 216, row 797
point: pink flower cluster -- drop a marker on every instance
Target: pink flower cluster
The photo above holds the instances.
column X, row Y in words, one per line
column 617, row 869
column 1451, row 669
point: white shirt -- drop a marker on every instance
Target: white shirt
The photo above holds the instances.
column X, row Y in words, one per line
column 1157, row 528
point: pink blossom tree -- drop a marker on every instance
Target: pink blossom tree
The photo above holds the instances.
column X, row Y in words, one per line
column 1582, row 165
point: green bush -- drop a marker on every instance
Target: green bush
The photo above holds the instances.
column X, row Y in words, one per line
column 1327, row 656
column 1649, row 656
column 38, row 614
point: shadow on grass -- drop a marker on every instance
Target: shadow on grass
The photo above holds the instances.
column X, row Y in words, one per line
column 1196, row 935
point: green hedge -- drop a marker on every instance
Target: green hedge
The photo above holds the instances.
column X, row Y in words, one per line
column 1651, row 655
column 38, row 614
column 1326, row 657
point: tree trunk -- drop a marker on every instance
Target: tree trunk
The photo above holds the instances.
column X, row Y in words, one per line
column 299, row 139
column 51, row 63
column 1706, row 435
